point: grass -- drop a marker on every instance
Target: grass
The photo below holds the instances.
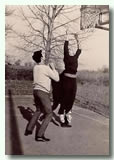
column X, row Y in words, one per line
column 93, row 91
column 19, row 87
column 93, row 97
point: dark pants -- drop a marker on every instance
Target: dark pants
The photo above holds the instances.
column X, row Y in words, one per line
column 43, row 104
column 69, row 88
column 57, row 92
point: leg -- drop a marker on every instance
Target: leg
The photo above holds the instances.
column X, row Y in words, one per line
column 35, row 116
column 68, row 117
column 33, row 120
column 56, row 93
column 69, row 91
column 55, row 104
column 72, row 95
column 61, row 114
column 46, row 104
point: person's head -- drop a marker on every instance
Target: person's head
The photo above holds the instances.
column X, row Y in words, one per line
column 37, row 56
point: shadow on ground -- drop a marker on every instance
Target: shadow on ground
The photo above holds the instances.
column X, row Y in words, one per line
column 27, row 114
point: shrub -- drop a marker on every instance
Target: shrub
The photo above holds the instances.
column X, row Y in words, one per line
column 13, row 72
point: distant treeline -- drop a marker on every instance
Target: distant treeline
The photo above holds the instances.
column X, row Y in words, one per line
column 101, row 77
column 13, row 72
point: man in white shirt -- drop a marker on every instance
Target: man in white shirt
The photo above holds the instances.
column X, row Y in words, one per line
column 42, row 75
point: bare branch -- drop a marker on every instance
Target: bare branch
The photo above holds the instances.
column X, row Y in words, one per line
column 67, row 10
column 30, row 40
column 44, row 25
column 22, row 48
column 66, row 23
column 29, row 23
column 59, row 10
column 37, row 16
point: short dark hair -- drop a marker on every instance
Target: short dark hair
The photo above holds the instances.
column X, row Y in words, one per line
column 37, row 56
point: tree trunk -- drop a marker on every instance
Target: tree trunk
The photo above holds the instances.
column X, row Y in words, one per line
column 49, row 36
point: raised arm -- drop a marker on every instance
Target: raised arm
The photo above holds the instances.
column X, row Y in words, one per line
column 78, row 52
column 77, row 40
column 66, row 51
column 66, row 43
column 53, row 74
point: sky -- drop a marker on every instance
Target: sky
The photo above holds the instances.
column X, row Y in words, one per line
column 95, row 49
column 95, row 53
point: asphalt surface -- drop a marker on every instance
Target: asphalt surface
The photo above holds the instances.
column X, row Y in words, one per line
column 89, row 134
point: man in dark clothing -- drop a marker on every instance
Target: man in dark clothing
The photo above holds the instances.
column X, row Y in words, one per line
column 67, row 87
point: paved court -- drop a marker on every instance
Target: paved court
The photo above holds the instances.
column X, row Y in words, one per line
column 89, row 134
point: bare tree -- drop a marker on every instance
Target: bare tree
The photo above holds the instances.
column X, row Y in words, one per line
column 45, row 30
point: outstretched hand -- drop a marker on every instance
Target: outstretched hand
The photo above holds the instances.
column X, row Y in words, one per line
column 66, row 35
column 67, row 30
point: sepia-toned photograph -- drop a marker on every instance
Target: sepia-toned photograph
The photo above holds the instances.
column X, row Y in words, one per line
column 57, row 80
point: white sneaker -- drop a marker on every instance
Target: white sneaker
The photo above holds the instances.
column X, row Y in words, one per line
column 69, row 117
column 62, row 118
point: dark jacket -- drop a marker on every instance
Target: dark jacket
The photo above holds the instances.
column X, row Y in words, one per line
column 71, row 62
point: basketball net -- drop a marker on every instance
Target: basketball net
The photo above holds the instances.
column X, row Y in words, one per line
column 89, row 19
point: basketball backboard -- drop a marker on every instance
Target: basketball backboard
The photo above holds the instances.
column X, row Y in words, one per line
column 94, row 16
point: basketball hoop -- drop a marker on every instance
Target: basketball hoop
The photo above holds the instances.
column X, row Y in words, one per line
column 89, row 18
